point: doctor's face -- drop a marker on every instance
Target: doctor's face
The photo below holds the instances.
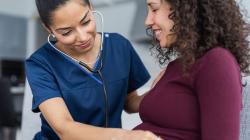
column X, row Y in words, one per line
column 160, row 23
column 74, row 27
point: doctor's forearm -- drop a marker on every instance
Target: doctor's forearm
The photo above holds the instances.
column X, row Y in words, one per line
column 79, row 131
column 133, row 101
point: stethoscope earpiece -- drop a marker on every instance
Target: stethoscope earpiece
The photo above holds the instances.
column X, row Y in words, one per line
column 52, row 35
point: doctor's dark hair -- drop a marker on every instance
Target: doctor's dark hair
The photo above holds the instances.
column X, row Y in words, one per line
column 200, row 25
column 47, row 7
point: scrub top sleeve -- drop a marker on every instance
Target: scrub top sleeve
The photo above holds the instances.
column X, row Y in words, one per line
column 42, row 82
column 138, row 74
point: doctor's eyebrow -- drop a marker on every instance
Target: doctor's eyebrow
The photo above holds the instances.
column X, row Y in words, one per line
column 85, row 16
column 65, row 28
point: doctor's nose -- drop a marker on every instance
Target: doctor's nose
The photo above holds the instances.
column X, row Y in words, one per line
column 81, row 35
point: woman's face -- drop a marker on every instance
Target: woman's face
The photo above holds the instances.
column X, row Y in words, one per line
column 158, row 20
column 74, row 27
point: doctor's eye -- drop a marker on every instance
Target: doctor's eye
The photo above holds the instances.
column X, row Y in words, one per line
column 86, row 22
column 66, row 33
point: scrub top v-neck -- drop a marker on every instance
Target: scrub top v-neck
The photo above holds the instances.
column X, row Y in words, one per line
column 51, row 74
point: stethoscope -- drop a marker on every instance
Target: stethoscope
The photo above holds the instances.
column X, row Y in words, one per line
column 92, row 70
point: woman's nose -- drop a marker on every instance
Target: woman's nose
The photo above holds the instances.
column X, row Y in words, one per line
column 149, row 20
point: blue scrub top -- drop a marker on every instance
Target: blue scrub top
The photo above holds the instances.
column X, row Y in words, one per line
column 51, row 74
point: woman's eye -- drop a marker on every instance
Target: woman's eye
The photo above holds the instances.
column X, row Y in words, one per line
column 66, row 33
column 154, row 10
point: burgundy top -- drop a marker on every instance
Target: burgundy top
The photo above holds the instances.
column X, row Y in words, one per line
column 205, row 106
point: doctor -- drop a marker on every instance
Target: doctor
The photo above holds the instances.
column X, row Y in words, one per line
column 81, row 80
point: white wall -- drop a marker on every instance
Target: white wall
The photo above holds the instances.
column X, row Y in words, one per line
column 118, row 17
column 24, row 8
column 245, row 5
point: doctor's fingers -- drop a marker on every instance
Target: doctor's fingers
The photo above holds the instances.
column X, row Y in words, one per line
column 142, row 135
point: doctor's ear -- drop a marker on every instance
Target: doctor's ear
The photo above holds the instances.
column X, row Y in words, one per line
column 47, row 29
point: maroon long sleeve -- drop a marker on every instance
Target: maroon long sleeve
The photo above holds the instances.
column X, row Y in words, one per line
column 204, row 106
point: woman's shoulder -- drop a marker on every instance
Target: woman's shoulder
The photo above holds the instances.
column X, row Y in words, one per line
column 217, row 60
column 218, row 54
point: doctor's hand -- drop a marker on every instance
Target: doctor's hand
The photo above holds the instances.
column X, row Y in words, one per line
column 138, row 135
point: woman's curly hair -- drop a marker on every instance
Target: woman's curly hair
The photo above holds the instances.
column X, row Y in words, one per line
column 201, row 25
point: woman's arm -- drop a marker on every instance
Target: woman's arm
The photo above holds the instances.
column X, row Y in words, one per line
column 218, row 86
column 56, row 113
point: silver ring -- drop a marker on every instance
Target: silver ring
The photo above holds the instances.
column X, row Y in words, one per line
column 158, row 138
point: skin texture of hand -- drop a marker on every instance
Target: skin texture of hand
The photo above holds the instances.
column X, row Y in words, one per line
column 138, row 135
